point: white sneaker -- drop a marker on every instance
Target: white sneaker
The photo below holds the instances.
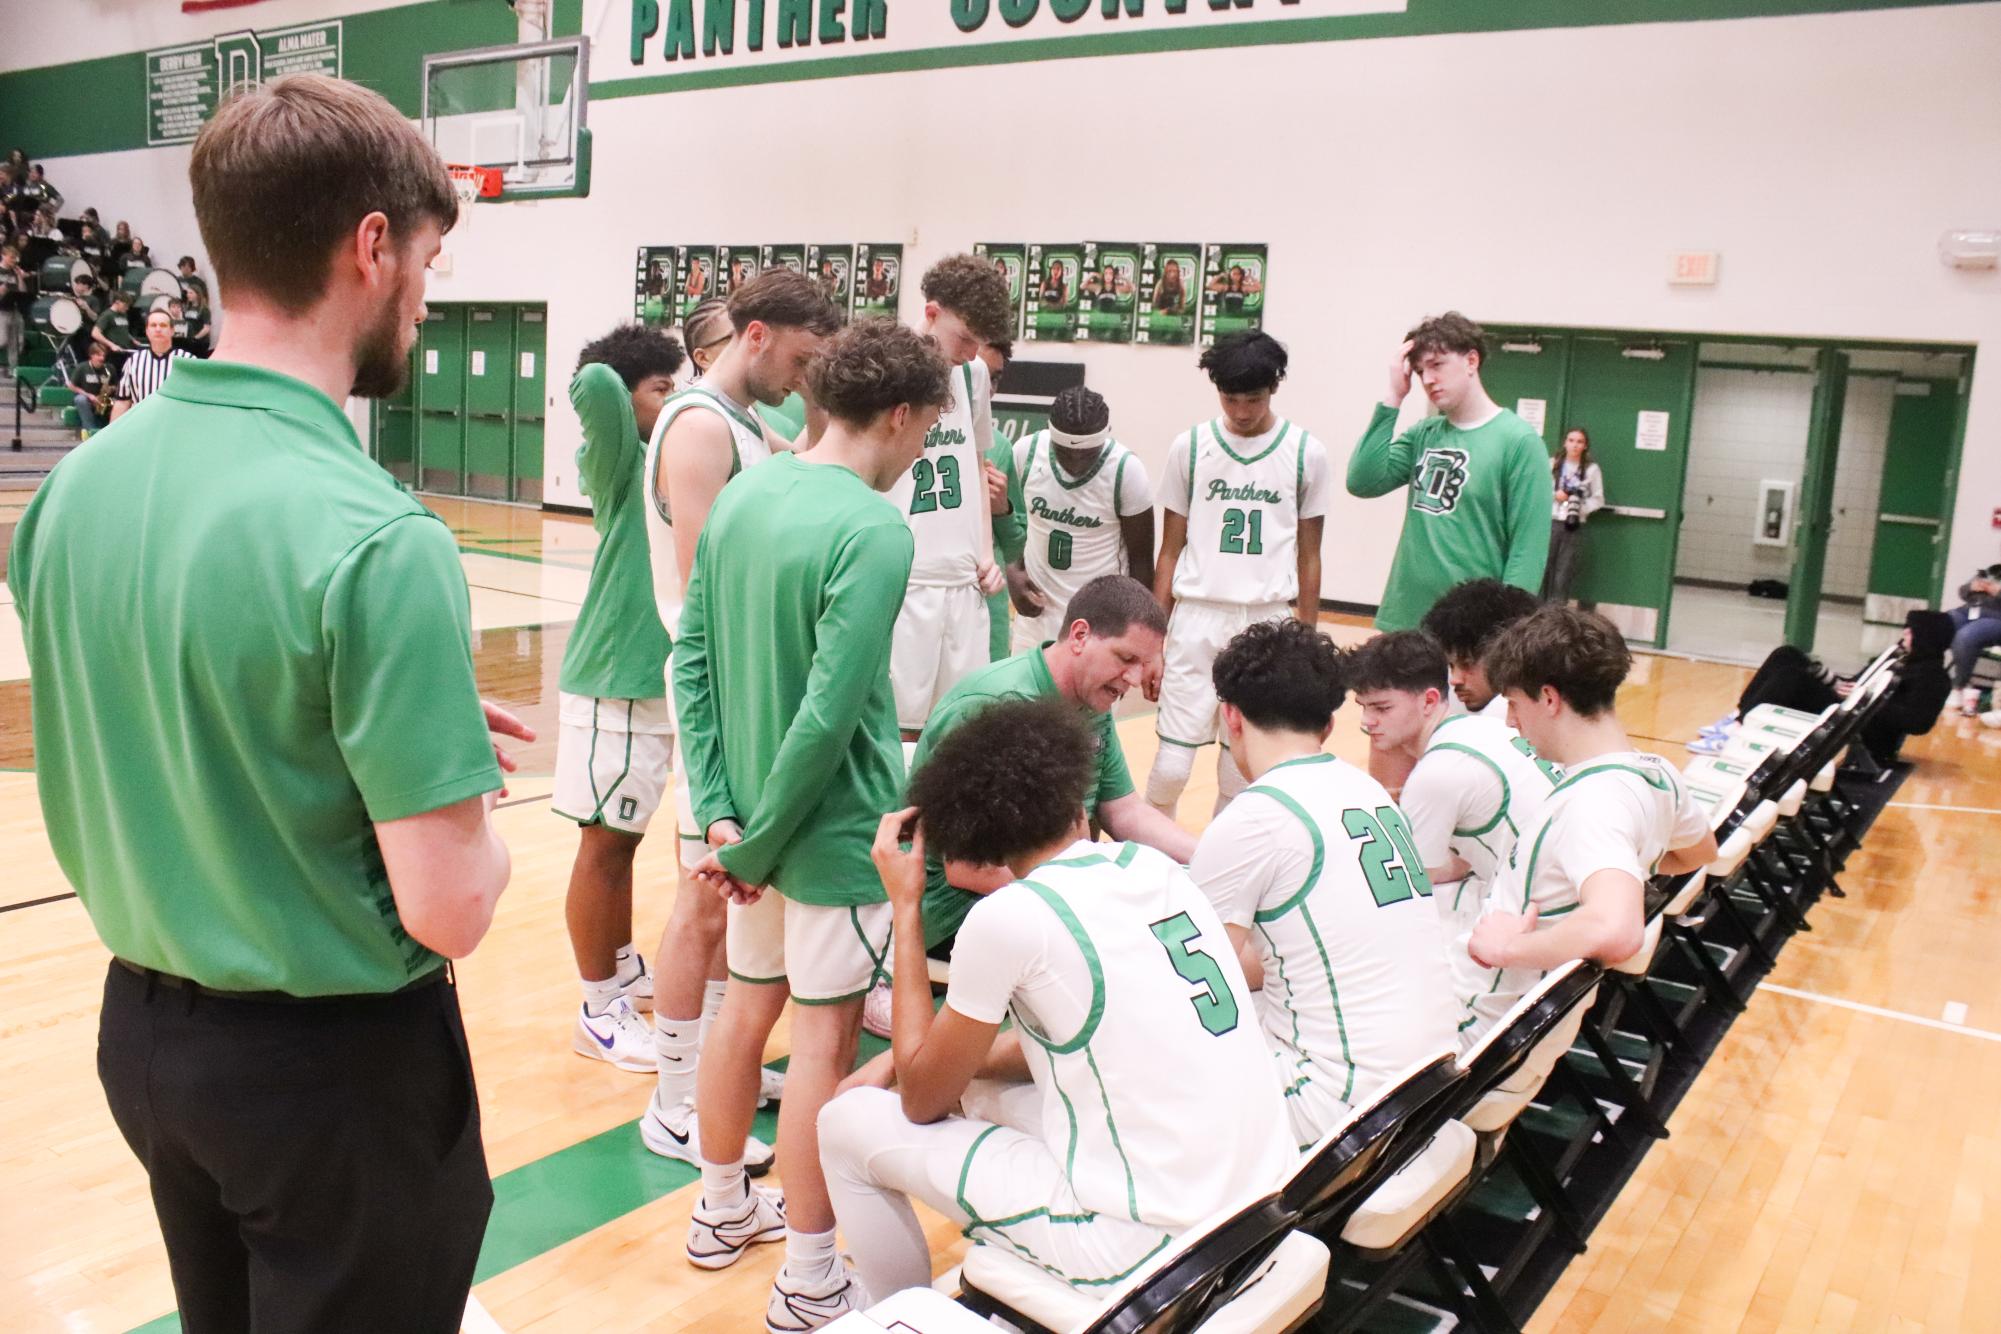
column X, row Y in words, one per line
column 716, row 1239
column 876, row 1009
column 796, row 1306
column 640, row 989
column 672, row 1135
column 770, row 1087
column 1991, row 718
column 1969, row 701
column 618, row 1036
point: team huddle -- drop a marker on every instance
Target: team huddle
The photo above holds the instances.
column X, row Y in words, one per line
column 803, row 629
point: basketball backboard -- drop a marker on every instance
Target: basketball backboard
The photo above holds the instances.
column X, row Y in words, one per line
column 519, row 109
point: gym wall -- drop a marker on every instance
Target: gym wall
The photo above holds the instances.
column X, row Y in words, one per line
column 1538, row 175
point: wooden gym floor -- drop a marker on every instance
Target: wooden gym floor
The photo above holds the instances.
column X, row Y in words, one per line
column 1836, row 1166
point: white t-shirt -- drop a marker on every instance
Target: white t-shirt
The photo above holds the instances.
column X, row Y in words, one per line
column 1314, row 860
column 1244, row 499
column 1617, row 812
column 1156, row 1090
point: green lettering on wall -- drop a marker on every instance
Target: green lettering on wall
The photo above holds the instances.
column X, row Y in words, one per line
column 1069, row 11
column 870, row 19
column 645, row 22
column 719, row 27
column 753, row 23
column 830, row 22
column 969, row 14
column 795, row 22
column 1136, row 8
column 1017, row 12
column 680, row 29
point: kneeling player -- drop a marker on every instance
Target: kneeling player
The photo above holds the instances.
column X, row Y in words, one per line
column 1476, row 783
column 1152, row 1103
column 1313, row 863
column 1618, row 817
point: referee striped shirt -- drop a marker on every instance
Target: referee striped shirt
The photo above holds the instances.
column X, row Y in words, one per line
column 144, row 370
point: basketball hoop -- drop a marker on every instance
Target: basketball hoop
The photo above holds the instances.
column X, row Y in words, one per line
column 473, row 183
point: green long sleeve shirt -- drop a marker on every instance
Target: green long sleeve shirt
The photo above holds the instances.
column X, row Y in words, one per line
column 1478, row 509
column 618, row 648
column 781, row 676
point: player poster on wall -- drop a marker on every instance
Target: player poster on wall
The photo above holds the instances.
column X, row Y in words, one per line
column 1012, row 261
column 833, row 267
column 1169, row 275
column 1233, row 290
column 878, row 280
column 1050, row 302
column 735, row 266
column 696, row 279
column 653, row 284
column 1107, row 292
column 791, row 257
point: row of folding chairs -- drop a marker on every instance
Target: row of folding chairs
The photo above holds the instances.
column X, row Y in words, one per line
column 1374, row 1210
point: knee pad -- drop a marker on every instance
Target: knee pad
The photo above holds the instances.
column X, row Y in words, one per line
column 1171, row 766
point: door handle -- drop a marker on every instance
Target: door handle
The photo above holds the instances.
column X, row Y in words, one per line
column 442, row 412
column 1635, row 512
column 489, row 416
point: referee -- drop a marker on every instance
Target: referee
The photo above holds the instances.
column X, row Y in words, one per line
column 262, row 761
column 147, row 367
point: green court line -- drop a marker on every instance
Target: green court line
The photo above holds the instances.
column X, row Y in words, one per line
column 516, row 555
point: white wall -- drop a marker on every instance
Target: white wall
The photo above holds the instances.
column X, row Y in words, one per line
column 86, row 28
column 1525, row 176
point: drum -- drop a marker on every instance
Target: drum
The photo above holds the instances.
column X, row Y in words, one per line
column 145, row 284
column 58, row 315
column 59, row 271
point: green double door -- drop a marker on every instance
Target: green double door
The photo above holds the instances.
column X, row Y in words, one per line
column 469, row 420
column 1633, row 397
column 1907, row 562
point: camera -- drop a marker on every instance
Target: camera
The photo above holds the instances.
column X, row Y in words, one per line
column 1573, row 508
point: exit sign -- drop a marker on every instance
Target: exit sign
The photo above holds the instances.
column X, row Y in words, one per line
column 1693, row 268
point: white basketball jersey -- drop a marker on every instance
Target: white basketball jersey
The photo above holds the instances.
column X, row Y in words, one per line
column 1356, row 983
column 1073, row 522
column 1243, row 515
column 1165, row 1105
column 1483, row 839
column 944, row 495
column 749, row 446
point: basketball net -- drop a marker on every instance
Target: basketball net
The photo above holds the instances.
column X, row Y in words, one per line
column 471, row 184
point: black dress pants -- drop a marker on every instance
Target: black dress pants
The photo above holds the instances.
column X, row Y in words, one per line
column 316, row 1166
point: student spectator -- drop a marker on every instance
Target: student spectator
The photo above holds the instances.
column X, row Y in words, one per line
column 45, row 225
column 90, row 384
column 46, row 195
column 201, row 334
column 1579, row 493
column 1976, row 623
column 147, row 367
column 83, row 291
column 177, row 315
column 95, row 247
column 113, row 329
column 13, row 304
column 121, row 245
column 191, row 281
column 138, row 257
column 15, row 196
column 1793, row 680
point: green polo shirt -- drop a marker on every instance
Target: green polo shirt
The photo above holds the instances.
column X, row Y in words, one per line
column 248, row 647
column 618, row 649
column 1023, row 676
column 1010, row 533
column 781, row 676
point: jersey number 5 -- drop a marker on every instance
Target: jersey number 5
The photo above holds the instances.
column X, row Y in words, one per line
column 936, row 486
column 1384, row 837
column 1244, row 532
column 1214, row 1005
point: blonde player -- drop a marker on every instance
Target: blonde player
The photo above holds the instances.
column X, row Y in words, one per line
column 1475, row 784
column 706, row 435
column 616, row 734
column 1089, row 510
column 1314, row 866
column 1133, row 1096
column 942, row 630
column 1243, row 497
column 1574, row 885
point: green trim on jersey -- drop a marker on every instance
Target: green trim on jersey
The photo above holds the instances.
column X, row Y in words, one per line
column 1319, row 853
column 1299, row 482
column 1216, row 429
column 1321, row 758
column 1090, row 952
column 1056, row 466
column 1112, row 1125
column 1654, row 781
column 1507, row 791
column 1118, row 485
column 697, row 396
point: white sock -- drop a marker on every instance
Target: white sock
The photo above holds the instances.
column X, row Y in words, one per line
column 724, row 1184
column 712, row 1004
column 598, row 995
column 675, row 1048
column 627, row 965
column 810, row 1255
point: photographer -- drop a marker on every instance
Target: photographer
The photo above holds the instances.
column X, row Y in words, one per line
column 1580, row 493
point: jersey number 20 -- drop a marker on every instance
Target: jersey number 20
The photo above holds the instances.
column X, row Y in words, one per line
column 1385, row 842
column 1214, row 1005
column 937, row 486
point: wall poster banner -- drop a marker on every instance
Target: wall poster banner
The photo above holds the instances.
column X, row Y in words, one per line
column 735, row 266
column 1051, row 292
column 833, row 267
column 1170, row 276
column 1233, row 289
column 791, row 257
column 1107, row 292
column 695, row 279
column 1011, row 258
column 878, row 280
column 653, row 285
